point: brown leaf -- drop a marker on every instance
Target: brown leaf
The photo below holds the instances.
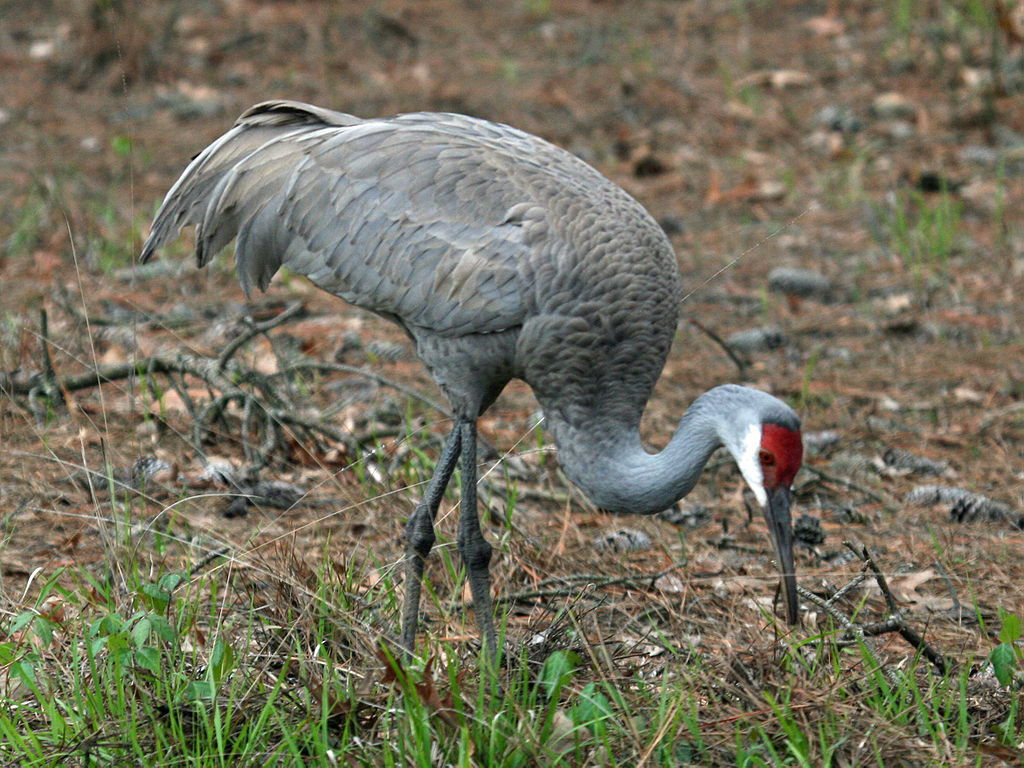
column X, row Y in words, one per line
column 905, row 589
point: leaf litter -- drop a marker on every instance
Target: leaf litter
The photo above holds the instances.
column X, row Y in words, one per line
column 914, row 361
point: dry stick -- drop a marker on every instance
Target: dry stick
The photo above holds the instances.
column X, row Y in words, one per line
column 99, row 375
column 591, row 581
column 851, row 628
column 254, row 330
column 740, row 364
column 855, row 582
column 202, row 368
column 848, row 483
column 188, row 364
column 894, row 623
column 50, row 384
column 907, row 632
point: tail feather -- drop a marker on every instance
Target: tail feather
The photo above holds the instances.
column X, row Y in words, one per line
column 198, row 197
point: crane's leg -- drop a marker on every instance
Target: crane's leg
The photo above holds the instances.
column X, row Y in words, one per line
column 419, row 534
column 475, row 551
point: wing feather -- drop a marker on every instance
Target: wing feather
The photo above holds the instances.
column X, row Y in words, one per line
column 429, row 218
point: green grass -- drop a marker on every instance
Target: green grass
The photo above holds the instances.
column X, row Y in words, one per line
column 925, row 232
column 279, row 662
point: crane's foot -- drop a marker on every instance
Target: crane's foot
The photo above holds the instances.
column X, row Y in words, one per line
column 480, row 586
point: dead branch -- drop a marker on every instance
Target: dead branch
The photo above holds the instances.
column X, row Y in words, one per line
column 264, row 405
column 49, row 386
column 321, row 367
column 254, row 330
column 740, row 364
column 848, row 484
column 894, row 622
column 851, row 628
column 585, row 583
column 896, row 618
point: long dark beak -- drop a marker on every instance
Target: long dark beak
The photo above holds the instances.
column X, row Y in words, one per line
column 776, row 514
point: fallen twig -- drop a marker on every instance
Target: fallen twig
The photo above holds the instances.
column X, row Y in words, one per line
column 49, row 385
column 589, row 581
column 851, row 628
column 894, row 622
column 896, row 619
column 254, row 330
column 264, row 411
column 848, row 484
column 740, row 364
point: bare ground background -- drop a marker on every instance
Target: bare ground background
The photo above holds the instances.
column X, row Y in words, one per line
column 877, row 149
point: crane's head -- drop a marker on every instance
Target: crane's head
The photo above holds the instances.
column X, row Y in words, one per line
column 766, row 443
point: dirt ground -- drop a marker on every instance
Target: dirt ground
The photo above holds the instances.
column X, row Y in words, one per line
column 876, row 150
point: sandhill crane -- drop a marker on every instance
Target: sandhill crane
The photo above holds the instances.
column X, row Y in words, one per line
column 501, row 256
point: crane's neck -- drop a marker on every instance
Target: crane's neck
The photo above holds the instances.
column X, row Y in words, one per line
column 609, row 463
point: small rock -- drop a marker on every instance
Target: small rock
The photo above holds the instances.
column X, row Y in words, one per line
column 757, row 339
column 768, row 191
column 1007, row 137
column 779, row 79
column 899, row 129
column 839, row 119
column 795, row 281
column 895, row 304
column 42, row 50
column 975, row 153
column 624, row 540
column 825, row 143
column 976, row 77
column 672, row 225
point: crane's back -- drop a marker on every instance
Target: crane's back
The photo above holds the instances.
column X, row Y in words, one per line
column 488, row 245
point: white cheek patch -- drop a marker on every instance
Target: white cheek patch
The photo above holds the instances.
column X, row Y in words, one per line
column 750, row 467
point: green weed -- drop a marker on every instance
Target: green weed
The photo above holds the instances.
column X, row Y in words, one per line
column 925, row 233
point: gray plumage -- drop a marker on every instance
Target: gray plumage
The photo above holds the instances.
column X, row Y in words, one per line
column 502, row 256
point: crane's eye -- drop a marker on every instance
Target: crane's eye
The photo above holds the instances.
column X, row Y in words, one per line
column 767, row 458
